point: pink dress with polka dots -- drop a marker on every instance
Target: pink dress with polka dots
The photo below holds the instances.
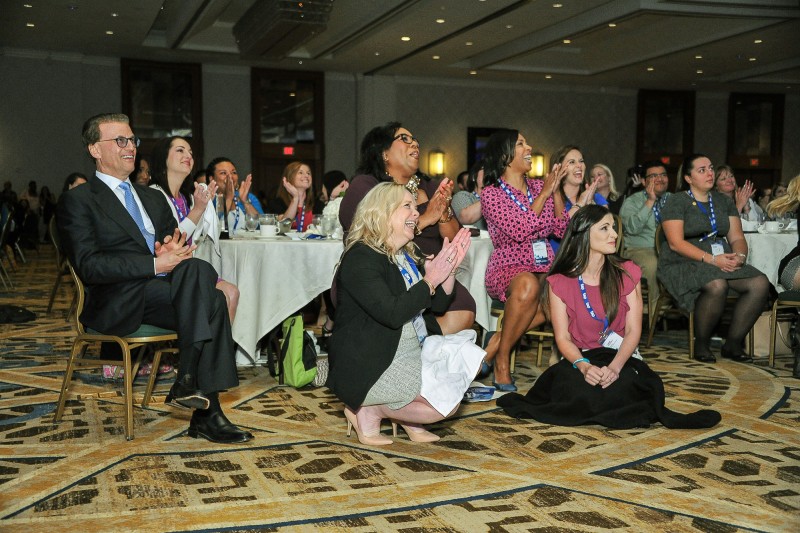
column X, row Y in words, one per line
column 513, row 232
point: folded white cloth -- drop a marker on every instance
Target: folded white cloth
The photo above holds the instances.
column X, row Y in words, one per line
column 449, row 364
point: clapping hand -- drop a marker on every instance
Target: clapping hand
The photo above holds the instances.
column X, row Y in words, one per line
column 553, row 179
column 244, row 187
column 743, row 194
column 588, row 195
column 650, row 190
column 172, row 252
column 441, row 268
column 203, row 194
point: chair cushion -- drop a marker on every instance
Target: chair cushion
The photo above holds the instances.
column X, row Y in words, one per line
column 498, row 305
column 789, row 296
column 145, row 330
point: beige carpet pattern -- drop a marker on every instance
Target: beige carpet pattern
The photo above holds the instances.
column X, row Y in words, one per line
column 301, row 473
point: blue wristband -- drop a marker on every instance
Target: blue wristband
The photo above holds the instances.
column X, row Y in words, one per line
column 581, row 360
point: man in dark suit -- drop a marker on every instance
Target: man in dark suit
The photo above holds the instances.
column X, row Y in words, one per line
column 111, row 230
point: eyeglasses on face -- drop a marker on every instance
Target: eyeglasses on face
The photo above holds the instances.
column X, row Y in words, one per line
column 122, row 142
column 406, row 138
column 657, row 175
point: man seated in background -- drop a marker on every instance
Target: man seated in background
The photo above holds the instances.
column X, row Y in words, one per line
column 124, row 243
column 640, row 214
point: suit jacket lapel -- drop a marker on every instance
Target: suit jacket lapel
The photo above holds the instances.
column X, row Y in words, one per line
column 108, row 203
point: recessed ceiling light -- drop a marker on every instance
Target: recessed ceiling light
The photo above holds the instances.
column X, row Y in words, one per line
column 468, row 43
column 698, row 56
column 439, row 21
column 300, row 62
column 509, row 26
column 114, row 14
column 291, row 94
column 435, row 57
column 558, row 5
column 567, row 41
column 758, row 41
column 699, row 71
column 26, row 5
column 650, row 69
column 377, row 53
column 473, row 72
column 405, row 38
column 30, row 24
column 109, row 32
column 752, row 59
column 548, row 77
column 612, row 25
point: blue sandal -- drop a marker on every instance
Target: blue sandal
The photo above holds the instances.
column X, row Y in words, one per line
column 506, row 387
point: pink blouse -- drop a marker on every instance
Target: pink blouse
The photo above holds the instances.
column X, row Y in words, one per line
column 585, row 330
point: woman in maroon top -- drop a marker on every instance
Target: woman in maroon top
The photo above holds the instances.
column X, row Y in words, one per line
column 595, row 303
column 520, row 214
column 391, row 153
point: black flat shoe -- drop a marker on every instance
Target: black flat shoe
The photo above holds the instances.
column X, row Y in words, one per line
column 217, row 428
column 182, row 395
column 705, row 358
column 739, row 357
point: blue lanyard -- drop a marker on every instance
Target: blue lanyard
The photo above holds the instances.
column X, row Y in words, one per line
column 710, row 214
column 592, row 314
column 658, row 205
column 513, row 196
column 406, row 274
column 181, row 213
column 301, row 221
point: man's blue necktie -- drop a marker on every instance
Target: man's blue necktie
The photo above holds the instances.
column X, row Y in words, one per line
column 133, row 209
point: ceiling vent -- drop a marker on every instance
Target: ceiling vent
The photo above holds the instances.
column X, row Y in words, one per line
column 271, row 29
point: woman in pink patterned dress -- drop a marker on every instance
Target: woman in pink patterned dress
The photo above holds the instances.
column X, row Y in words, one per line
column 520, row 214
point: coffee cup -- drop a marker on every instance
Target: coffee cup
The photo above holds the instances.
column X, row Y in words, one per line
column 749, row 225
column 773, row 226
column 268, row 231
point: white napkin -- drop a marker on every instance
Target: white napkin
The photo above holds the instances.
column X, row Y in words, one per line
column 449, row 363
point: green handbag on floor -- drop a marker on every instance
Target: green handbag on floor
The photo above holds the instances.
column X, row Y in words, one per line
column 298, row 359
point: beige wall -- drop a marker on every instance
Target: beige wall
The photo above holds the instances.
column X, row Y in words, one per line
column 44, row 100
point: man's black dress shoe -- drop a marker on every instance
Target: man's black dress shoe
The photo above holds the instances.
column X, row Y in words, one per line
column 183, row 395
column 217, row 428
column 740, row 356
column 705, row 358
column 796, row 367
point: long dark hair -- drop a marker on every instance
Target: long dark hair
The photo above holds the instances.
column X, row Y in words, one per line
column 499, row 153
column 573, row 258
column 472, row 176
column 158, row 167
column 558, row 157
column 375, row 142
column 686, row 169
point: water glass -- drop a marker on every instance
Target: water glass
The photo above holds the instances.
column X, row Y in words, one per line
column 250, row 222
column 329, row 224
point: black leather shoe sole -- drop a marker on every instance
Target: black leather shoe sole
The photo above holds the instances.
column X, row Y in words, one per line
column 738, row 357
column 235, row 437
column 187, row 399
column 709, row 358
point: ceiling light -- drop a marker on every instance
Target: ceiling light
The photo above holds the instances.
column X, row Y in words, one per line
column 567, row 41
column 109, row 32
column 439, row 21
column 473, row 72
column 435, row 57
column 612, row 25
column 509, row 26
column 699, row 71
column 469, row 43
column 752, row 59
column 548, row 77
column 30, row 24
column 114, row 14
column 377, row 53
column 405, row 38
column 292, row 94
column 300, row 62
column 758, row 41
column 650, row 69
column 698, row 56
column 558, row 5
column 26, row 5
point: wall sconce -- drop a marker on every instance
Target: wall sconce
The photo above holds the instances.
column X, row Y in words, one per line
column 537, row 167
column 436, row 163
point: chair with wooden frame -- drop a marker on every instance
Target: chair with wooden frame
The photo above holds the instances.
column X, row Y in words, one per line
column 785, row 300
column 145, row 336
column 5, row 250
column 541, row 333
column 62, row 271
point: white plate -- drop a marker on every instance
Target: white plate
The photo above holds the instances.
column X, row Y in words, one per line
column 268, row 237
column 296, row 235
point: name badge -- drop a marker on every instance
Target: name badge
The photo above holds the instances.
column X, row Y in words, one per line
column 419, row 326
column 717, row 248
column 540, row 252
column 612, row 340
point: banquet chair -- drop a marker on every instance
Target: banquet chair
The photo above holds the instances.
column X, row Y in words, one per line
column 541, row 333
column 137, row 341
column 5, row 250
column 62, row 271
column 785, row 300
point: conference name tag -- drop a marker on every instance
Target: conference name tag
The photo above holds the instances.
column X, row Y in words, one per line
column 540, row 252
column 717, row 248
column 612, row 340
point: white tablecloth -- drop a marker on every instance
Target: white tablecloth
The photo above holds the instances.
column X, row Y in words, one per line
column 472, row 273
column 275, row 279
column 766, row 251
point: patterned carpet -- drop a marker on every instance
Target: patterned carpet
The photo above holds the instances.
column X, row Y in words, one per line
column 301, row 473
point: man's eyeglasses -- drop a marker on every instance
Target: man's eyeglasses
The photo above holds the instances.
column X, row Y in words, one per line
column 122, row 142
column 406, row 138
column 659, row 175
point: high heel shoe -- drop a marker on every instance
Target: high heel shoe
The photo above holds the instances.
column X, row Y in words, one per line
column 370, row 440
column 486, row 370
column 506, row 387
column 418, row 434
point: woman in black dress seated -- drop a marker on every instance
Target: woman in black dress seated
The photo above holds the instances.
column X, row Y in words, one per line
column 595, row 304
column 383, row 364
column 704, row 255
column 391, row 153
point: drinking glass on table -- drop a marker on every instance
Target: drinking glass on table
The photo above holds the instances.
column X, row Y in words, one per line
column 250, row 222
column 329, row 223
column 269, row 225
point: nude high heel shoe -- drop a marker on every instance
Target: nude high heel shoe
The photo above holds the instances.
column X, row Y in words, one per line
column 417, row 434
column 370, row 440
